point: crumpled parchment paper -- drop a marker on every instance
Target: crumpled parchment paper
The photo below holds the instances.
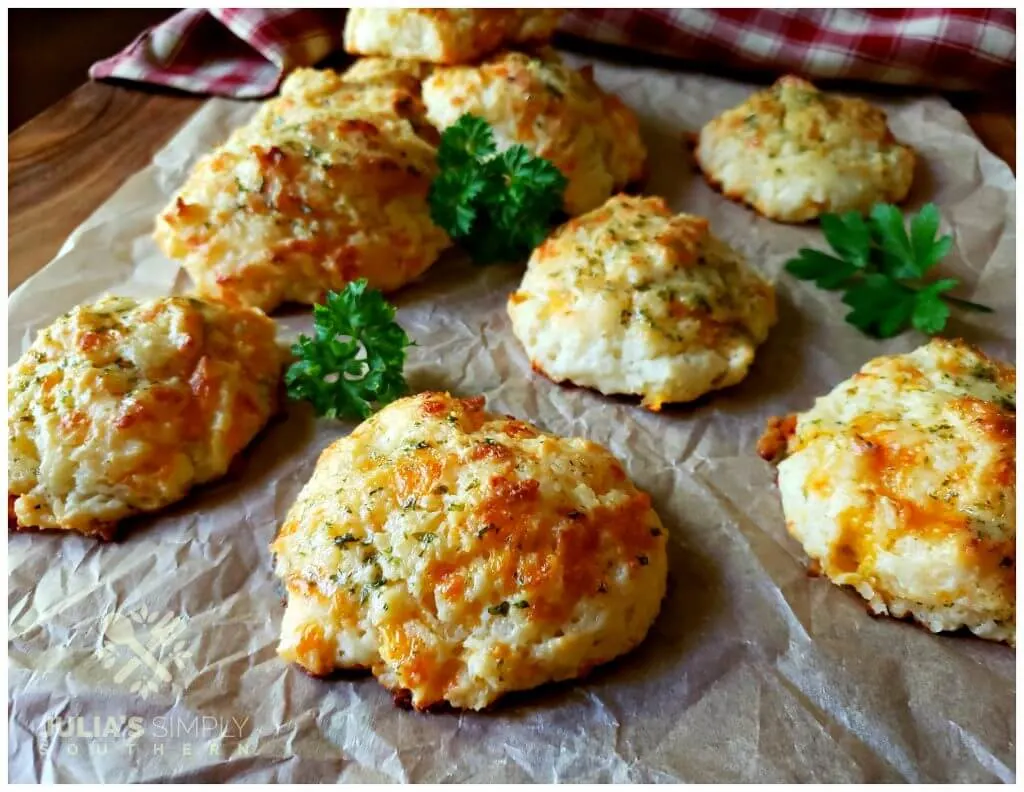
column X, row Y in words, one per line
column 153, row 659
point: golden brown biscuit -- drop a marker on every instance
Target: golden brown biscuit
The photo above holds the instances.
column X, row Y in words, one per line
column 461, row 555
column 327, row 184
column 557, row 112
column 445, row 35
column 901, row 483
column 405, row 72
column 121, row 407
column 633, row 299
column 793, row 152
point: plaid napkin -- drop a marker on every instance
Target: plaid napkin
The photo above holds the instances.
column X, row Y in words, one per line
column 245, row 52
column 238, row 52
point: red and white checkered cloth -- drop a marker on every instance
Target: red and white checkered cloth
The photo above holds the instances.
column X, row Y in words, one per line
column 239, row 52
column 246, row 52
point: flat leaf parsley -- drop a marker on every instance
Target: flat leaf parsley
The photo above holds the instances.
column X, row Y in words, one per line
column 355, row 358
column 881, row 270
column 497, row 206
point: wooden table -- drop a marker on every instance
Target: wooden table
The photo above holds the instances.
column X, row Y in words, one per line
column 66, row 161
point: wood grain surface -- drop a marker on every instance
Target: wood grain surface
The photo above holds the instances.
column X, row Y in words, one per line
column 66, row 161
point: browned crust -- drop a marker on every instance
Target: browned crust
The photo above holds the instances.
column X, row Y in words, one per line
column 336, row 674
column 814, row 570
column 912, row 620
column 775, row 439
column 633, row 399
column 101, row 531
column 636, row 399
column 403, row 700
column 402, row 697
column 512, row 699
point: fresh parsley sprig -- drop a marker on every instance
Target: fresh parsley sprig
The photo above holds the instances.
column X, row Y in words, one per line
column 497, row 206
column 881, row 270
column 355, row 359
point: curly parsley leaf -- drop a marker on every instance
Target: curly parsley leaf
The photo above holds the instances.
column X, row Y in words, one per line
column 880, row 269
column 499, row 206
column 466, row 142
column 524, row 192
column 355, row 359
column 453, row 200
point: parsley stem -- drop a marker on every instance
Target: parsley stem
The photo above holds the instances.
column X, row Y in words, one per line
column 967, row 304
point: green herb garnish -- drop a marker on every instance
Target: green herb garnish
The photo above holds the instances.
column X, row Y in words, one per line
column 881, row 270
column 498, row 206
column 355, row 359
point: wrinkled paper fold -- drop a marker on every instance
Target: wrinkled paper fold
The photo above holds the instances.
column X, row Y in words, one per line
column 754, row 670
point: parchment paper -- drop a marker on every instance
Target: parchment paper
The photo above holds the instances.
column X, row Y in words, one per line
column 753, row 672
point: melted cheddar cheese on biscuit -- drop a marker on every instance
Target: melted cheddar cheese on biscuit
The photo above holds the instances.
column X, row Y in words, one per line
column 445, row 35
column 327, row 184
column 368, row 71
column 461, row 555
column 121, row 407
column 901, row 483
column 556, row 112
column 793, row 152
column 382, row 89
column 633, row 299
